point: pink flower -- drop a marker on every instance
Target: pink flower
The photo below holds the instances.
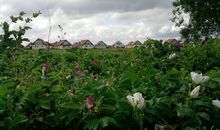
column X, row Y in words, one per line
column 79, row 73
column 89, row 102
column 45, row 65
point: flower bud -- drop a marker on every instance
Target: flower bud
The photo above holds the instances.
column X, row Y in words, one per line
column 89, row 102
column 195, row 92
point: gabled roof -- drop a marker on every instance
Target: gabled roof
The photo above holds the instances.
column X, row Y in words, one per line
column 137, row 43
column 61, row 42
column 29, row 45
column 172, row 41
column 118, row 42
column 130, row 43
column 85, row 42
column 45, row 43
column 100, row 43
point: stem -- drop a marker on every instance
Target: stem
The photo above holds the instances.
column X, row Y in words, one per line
column 48, row 47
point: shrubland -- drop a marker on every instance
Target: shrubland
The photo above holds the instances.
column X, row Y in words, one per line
column 140, row 88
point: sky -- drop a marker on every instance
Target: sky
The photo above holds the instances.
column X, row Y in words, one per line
column 105, row 20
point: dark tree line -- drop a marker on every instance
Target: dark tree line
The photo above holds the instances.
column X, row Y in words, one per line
column 204, row 18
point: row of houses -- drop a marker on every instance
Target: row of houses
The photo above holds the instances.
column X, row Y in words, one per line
column 87, row 44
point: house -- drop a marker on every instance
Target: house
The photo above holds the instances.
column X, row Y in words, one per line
column 109, row 46
column 171, row 41
column 40, row 44
column 129, row 45
column 137, row 44
column 62, row 44
column 75, row 45
column 100, row 44
column 132, row 44
column 85, row 44
column 118, row 44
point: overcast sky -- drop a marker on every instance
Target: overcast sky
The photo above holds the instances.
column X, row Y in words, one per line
column 107, row 20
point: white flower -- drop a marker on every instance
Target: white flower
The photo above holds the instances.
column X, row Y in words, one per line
column 136, row 100
column 131, row 100
column 198, row 78
column 171, row 56
column 139, row 100
column 195, row 92
column 216, row 103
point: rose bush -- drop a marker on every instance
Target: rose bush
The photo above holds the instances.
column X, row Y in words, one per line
column 162, row 90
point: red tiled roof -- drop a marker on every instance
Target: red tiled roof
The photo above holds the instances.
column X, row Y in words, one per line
column 60, row 43
column 84, row 42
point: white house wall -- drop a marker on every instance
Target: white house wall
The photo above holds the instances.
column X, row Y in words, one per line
column 87, row 46
column 39, row 45
column 101, row 46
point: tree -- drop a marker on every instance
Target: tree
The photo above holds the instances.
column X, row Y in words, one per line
column 204, row 18
column 14, row 38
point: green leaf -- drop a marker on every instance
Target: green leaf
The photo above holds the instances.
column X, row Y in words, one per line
column 71, row 105
column 14, row 19
column 201, row 103
column 36, row 14
column 105, row 121
column 40, row 119
column 22, row 13
column 20, row 18
column 5, row 26
column 45, row 104
column 27, row 27
column 25, row 39
column 28, row 20
column 71, row 116
column 216, row 80
column 92, row 124
column 18, row 119
column 189, row 128
column 204, row 115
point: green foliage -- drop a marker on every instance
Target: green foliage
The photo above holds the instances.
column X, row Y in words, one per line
column 14, row 38
column 28, row 101
column 204, row 18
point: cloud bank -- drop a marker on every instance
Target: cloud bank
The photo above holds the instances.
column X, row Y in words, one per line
column 107, row 20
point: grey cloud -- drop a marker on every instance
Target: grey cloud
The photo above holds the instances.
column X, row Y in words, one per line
column 88, row 6
column 91, row 6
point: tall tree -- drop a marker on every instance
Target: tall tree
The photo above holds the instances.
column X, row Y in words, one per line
column 204, row 18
